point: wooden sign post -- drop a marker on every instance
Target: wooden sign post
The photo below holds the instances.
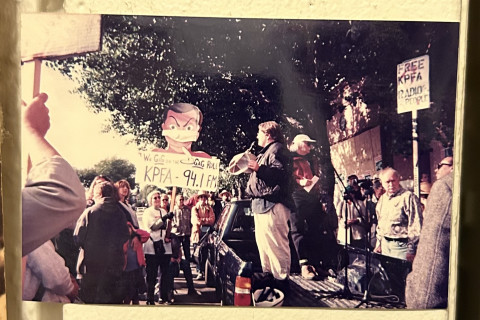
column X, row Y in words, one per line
column 413, row 93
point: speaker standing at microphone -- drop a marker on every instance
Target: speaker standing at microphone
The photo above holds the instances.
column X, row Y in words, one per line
column 268, row 186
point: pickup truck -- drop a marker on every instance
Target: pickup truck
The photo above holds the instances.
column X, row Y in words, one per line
column 232, row 259
column 230, row 247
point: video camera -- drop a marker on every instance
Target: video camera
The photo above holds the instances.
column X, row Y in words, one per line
column 161, row 224
column 367, row 186
column 350, row 193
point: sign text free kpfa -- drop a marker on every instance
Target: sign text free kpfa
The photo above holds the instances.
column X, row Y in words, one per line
column 413, row 88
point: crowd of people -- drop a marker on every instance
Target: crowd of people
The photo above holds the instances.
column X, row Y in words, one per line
column 119, row 258
column 91, row 246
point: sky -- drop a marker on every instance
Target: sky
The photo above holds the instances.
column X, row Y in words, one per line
column 75, row 131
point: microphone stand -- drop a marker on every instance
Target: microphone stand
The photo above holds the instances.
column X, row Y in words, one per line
column 346, row 258
column 345, row 293
column 366, row 294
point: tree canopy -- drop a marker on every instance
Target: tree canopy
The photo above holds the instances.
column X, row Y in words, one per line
column 114, row 168
column 241, row 72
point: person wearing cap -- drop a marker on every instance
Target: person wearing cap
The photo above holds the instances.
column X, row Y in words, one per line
column 268, row 186
column 304, row 222
column 202, row 217
column 180, row 234
column 226, row 196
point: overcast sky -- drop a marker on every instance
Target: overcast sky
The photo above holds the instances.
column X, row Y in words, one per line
column 75, row 131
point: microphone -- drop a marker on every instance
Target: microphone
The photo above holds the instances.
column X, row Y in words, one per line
column 251, row 147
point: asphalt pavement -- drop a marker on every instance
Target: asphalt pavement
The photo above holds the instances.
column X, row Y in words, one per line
column 206, row 295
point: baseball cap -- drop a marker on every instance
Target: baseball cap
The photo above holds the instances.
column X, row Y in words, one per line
column 302, row 138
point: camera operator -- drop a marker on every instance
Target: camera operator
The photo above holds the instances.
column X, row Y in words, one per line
column 372, row 191
column 352, row 209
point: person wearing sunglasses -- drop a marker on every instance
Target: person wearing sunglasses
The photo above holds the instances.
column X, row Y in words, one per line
column 427, row 284
column 152, row 222
column 444, row 167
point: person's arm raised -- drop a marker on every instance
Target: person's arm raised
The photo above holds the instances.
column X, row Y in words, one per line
column 35, row 123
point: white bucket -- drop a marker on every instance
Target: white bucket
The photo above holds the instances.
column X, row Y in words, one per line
column 239, row 163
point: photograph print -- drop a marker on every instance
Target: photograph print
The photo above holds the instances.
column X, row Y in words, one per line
column 244, row 162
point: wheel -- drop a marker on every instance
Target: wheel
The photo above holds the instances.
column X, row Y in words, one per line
column 221, row 294
column 209, row 277
column 218, row 291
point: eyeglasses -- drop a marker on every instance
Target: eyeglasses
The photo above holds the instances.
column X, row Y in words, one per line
column 164, row 199
column 443, row 164
column 156, row 198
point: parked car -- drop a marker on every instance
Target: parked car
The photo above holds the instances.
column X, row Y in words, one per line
column 232, row 254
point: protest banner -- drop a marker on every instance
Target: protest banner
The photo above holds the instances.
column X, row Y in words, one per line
column 178, row 170
column 413, row 93
column 413, row 84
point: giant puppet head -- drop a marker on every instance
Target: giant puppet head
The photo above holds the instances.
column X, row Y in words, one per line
column 182, row 122
column 181, row 126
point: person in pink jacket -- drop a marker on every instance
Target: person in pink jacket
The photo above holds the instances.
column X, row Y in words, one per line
column 202, row 218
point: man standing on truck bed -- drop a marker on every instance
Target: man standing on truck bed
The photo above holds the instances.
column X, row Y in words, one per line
column 399, row 218
column 268, row 186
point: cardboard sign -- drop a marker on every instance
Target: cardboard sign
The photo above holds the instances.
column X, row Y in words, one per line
column 51, row 35
column 413, row 84
column 178, row 170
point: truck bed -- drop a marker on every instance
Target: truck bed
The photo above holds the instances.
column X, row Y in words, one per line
column 315, row 293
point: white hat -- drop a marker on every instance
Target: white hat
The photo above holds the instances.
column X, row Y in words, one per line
column 239, row 163
column 302, row 138
column 225, row 192
column 268, row 297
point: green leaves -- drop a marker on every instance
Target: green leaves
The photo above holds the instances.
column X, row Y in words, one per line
column 241, row 72
column 114, row 168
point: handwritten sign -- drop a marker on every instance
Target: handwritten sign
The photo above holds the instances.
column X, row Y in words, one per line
column 170, row 169
column 413, row 88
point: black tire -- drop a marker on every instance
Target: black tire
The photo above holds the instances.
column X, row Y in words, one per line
column 222, row 294
column 218, row 290
column 209, row 277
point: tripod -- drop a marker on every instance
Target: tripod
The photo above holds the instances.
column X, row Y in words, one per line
column 345, row 292
column 366, row 294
